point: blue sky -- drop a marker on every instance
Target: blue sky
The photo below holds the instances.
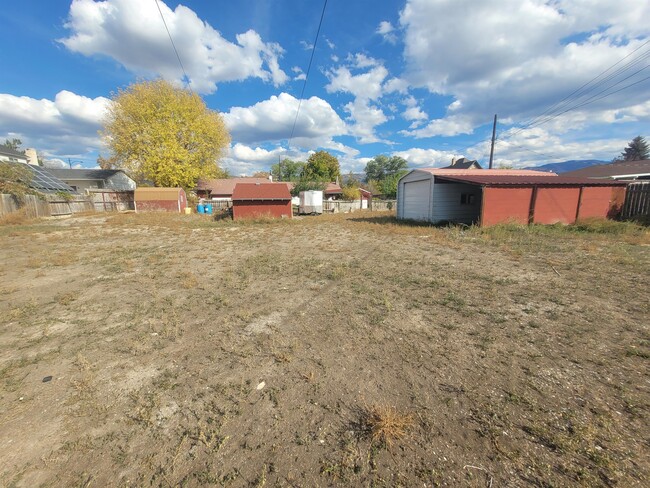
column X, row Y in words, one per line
column 419, row 78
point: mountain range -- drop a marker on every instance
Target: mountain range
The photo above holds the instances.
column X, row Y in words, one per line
column 564, row 166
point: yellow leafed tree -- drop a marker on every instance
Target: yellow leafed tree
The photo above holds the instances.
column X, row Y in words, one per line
column 164, row 134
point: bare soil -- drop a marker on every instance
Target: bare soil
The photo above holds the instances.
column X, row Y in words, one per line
column 160, row 350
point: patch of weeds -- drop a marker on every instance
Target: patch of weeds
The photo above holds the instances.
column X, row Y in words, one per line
column 188, row 280
column 382, row 425
column 634, row 352
column 24, row 313
column 65, row 299
column 454, row 301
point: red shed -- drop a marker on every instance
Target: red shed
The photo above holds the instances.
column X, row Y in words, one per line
column 254, row 200
column 488, row 197
column 542, row 199
column 160, row 199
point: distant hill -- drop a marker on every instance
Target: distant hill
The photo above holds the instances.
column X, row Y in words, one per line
column 565, row 166
column 359, row 176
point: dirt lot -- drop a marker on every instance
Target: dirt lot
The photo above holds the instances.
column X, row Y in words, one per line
column 154, row 350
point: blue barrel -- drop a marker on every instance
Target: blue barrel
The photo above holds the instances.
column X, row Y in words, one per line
column 208, row 208
column 200, row 208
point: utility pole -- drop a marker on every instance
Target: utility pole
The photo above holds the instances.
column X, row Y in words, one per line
column 494, row 132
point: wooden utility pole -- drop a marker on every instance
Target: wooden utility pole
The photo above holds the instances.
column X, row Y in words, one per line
column 494, row 133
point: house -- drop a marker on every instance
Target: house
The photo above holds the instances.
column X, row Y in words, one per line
column 333, row 191
column 160, row 199
column 12, row 156
column 488, row 197
column 83, row 179
column 622, row 170
column 255, row 200
column 222, row 188
column 463, row 163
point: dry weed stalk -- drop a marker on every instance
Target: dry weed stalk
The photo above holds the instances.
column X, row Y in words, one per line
column 384, row 424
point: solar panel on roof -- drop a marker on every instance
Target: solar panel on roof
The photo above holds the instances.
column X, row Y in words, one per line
column 46, row 182
column 43, row 181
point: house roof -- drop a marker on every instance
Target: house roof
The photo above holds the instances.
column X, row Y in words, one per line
column 614, row 170
column 463, row 163
column 332, row 189
column 226, row 186
column 526, row 180
column 83, row 173
column 12, row 153
column 261, row 191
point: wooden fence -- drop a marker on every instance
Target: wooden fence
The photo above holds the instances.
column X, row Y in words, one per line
column 77, row 204
column 35, row 207
column 637, row 200
column 111, row 200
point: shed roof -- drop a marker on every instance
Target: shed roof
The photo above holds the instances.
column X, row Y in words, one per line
column 151, row 194
column 527, row 180
column 614, row 170
column 261, row 191
column 226, row 186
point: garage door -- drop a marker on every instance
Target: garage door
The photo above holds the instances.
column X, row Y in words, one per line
column 417, row 195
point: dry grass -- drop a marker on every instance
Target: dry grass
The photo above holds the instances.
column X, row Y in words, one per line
column 383, row 425
column 20, row 217
column 521, row 350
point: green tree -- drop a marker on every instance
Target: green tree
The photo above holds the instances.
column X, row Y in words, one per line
column 381, row 166
column 305, row 185
column 164, row 134
column 321, row 166
column 13, row 144
column 287, row 170
column 388, row 186
column 636, row 150
column 383, row 173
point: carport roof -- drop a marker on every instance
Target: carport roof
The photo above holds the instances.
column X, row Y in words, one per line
column 525, row 180
column 484, row 172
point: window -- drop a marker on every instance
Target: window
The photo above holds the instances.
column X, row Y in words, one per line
column 467, row 199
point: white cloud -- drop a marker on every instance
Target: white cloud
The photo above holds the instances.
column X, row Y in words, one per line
column 413, row 112
column 300, row 75
column 67, row 125
column 134, row 35
column 426, row 158
column 387, row 31
column 489, row 63
column 272, row 120
column 365, row 118
column 452, row 125
column 366, row 85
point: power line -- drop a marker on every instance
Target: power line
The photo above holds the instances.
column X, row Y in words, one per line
column 311, row 58
column 186, row 78
column 593, row 98
column 580, row 92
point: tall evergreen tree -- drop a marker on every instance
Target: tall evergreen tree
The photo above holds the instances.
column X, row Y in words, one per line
column 636, row 150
